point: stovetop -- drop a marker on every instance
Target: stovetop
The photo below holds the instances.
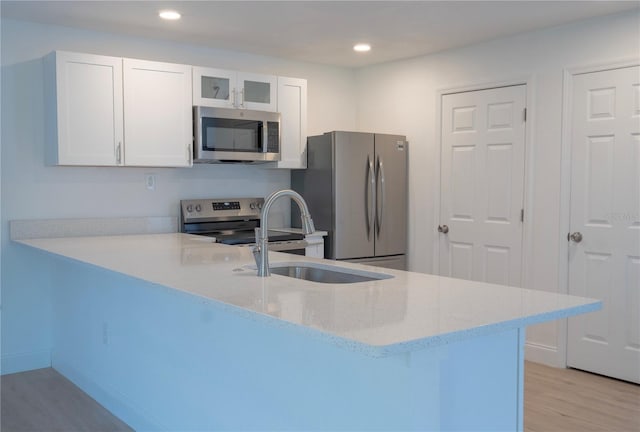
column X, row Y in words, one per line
column 246, row 237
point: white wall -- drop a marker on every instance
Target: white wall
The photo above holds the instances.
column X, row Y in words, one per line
column 31, row 190
column 401, row 97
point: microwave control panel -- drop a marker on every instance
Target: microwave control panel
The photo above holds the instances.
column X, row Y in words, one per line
column 273, row 137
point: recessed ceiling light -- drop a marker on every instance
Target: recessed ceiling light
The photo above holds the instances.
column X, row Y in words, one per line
column 362, row 47
column 169, row 15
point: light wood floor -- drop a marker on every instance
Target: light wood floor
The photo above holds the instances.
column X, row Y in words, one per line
column 556, row 400
column 566, row 400
column 44, row 401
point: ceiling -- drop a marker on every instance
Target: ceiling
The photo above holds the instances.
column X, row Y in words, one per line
column 318, row 31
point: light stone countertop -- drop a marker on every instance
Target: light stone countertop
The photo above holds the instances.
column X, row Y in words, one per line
column 407, row 312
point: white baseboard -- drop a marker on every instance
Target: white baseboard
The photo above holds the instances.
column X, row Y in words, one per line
column 22, row 362
column 545, row 354
column 111, row 399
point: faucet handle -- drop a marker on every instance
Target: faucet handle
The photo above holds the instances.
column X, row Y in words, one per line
column 256, row 254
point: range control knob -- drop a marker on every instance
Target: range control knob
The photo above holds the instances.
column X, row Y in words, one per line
column 198, row 207
column 189, row 208
column 260, row 205
column 253, row 206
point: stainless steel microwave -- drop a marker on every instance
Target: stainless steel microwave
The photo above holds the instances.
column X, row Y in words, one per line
column 235, row 135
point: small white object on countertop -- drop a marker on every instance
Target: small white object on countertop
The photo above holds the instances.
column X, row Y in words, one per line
column 299, row 231
column 407, row 312
column 315, row 241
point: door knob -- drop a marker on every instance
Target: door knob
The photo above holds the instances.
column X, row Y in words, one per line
column 576, row 237
column 443, row 229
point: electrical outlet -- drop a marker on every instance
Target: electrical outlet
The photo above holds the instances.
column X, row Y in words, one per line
column 150, row 181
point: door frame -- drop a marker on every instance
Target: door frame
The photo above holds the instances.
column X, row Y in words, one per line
column 527, row 229
column 565, row 181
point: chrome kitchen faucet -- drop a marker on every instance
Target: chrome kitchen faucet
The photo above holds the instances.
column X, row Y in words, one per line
column 260, row 250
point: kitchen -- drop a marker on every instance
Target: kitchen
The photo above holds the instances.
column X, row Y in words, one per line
column 339, row 99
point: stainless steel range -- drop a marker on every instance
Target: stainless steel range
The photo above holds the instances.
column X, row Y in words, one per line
column 233, row 222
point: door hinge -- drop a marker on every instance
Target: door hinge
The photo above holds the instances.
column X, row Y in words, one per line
column 521, row 215
column 524, row 115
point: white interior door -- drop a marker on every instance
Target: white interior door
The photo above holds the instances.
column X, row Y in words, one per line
column 605, row 212
column 482, row 184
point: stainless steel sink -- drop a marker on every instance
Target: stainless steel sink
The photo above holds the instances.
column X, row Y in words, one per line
column 325, row 273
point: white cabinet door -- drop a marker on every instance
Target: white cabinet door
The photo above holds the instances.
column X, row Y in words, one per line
column 482, row 189
column 85, row 91
column 292, row 106
column 231, row 89
column 214, row 87
column 604, row 259
column 157, row 113
column 257, row 92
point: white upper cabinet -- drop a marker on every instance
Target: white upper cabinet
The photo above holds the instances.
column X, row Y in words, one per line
column 292, row 105
column 157, row 114
column 84, row 115
column 111, row 111
column 231, row 89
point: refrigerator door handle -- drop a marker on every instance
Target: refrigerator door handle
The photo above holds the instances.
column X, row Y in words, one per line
column 369, row 195
column 380, row 184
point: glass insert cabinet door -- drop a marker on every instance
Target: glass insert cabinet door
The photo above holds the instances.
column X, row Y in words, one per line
column 257, row 92
column 216, row 88
column 231, row 89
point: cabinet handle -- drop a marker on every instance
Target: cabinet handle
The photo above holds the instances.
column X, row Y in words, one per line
column 242, row 98
column 235, row 98
column 443, row 229
column 118, row 153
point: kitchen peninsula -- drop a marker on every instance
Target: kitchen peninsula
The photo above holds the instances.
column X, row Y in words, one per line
column 174, row 332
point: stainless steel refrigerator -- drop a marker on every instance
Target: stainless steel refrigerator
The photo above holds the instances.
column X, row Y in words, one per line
column 355, row 186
